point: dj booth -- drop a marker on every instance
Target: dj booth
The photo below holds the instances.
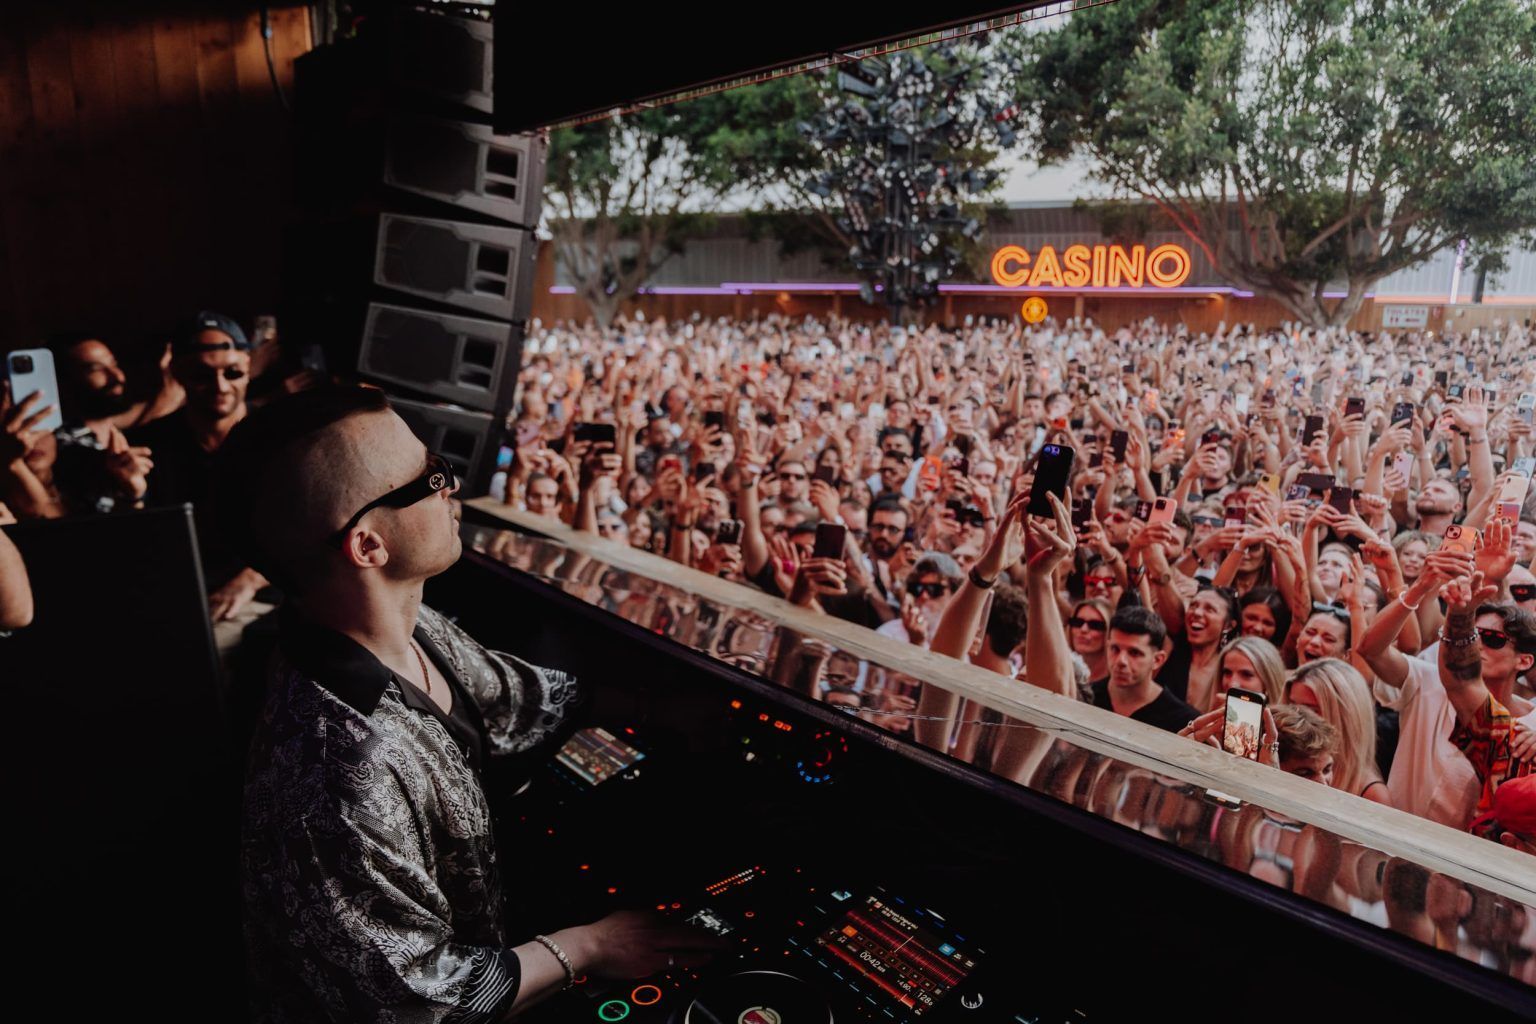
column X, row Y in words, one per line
column 762, row 772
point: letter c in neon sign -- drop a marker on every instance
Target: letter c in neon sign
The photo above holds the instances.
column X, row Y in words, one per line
column 1013, row 254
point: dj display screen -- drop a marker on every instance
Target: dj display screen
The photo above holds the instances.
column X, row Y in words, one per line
column 595, row 755
column 913, row 966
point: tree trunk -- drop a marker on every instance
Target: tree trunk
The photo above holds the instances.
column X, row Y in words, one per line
column 604, row 306
column 1351, row 303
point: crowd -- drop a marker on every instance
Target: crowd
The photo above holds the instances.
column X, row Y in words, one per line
column 1338, row 522
column 1332, row 520
column 150, row 441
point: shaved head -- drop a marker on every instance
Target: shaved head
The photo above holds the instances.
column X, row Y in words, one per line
column 294, row 472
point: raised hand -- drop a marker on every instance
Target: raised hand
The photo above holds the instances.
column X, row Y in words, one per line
column 1048, row 545
column 1495, row 556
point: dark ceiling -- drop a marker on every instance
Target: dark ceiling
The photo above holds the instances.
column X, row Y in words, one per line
column 553, row 63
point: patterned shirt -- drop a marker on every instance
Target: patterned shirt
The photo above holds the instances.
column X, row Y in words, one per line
column 370, row 879
column 1485, row 742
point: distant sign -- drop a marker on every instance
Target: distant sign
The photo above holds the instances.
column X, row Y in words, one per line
column 1405, row 316
column 1034, row 309
column 1099, row 266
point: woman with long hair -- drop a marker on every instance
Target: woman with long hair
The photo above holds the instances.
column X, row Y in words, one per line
column 1249, row 663
column 1210, row 620
column 1339, row 693
column 1088, row 634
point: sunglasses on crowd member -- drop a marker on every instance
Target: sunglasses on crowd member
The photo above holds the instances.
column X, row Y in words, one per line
column 209, row 374
column 1098, row 581
column 1522, row 592
column 1493, row 639
column 1338, row 611
column 438, row 476
column 927, row 589
column 1206, row 520
column 791, row 476
column 1097, row 625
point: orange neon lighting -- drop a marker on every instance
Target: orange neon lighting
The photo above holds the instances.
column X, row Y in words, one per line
column 1000, row 260
column 1102, row 266
column 652, row 995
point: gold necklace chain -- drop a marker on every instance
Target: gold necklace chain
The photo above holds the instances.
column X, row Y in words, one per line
column 420, row 660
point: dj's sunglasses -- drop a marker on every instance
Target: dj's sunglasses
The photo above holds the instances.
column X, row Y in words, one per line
column 438, row 476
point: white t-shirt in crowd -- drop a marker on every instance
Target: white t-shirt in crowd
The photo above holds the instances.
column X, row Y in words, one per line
column 1430, row 777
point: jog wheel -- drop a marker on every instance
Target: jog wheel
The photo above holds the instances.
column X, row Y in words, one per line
column 758, row 997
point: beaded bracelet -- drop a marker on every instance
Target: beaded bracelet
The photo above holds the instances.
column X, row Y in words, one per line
column 559, row 954
column 1460, row 641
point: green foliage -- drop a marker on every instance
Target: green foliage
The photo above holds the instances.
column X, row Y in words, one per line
column 1300, row 143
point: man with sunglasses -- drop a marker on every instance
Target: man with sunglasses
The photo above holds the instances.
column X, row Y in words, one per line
column 211, row 360
column 371, row 883
column 1429, row 775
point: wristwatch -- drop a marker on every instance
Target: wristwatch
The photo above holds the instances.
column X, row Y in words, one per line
column 979, row 581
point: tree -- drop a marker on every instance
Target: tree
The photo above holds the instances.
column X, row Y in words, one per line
column 621, row 195
column 1303, row 143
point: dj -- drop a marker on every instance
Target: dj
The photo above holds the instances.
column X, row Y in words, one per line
column 372, row 887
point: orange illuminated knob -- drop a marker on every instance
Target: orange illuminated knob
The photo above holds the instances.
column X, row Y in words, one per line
column 645, row 995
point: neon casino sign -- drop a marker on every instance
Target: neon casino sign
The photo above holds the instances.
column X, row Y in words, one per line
column 1098, row 266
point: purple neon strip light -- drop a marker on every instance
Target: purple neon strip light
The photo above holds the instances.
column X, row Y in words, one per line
column 811, row 287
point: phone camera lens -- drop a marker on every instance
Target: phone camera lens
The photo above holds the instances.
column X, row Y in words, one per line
column 21, row 364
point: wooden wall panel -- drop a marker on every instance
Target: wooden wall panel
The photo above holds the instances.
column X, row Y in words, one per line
column 144, row 165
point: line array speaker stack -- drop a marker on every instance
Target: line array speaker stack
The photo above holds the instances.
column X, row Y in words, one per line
column 413, row 259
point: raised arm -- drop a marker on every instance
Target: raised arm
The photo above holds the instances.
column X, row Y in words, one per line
column 15, row 588
column 1461, row 662
column 1047, row 655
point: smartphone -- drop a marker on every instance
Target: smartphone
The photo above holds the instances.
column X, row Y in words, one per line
column 1463, row 539
column 1454, row 392
column 1234, row 517
column 1210, row 437
column 1354, row 407
column 1143, row 510
column 1407, row 380
column 30, row 372
column 1317, row 483
column 1243, row 726
column 714, row 418
column 830, row 539
column 1311, row 429
column 767, row 419
column 1403, row 463
column 1340, row 498
column 1163, row 511
column 1240, row 404
column 1117, row 443
column 1525, row 406
column 1442, row 379
column 1270, row 483
column 826, row 474
column 1268, row 401
column 1051, row 474
column 1298, row 492
column 1095, row 460
column 1512, row 497
column 1082, row 514
column 597, row 433
column 1402, row 412
column 933, row 399
column 728, row 532
column 704, row 471
column 1525, row 467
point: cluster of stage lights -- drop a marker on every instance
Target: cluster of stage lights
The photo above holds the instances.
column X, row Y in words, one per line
column 890, row 139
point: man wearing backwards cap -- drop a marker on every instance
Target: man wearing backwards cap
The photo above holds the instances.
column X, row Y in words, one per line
column 211, row 359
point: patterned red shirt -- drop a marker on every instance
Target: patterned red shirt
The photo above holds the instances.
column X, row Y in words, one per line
column 1485, row 742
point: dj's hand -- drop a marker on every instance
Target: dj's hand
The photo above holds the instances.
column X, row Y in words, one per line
column 633, row 944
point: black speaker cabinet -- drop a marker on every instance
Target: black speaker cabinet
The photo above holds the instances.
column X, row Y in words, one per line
column 461, row 436
column 468, row 166
column 483, row 269
column 457, row 358
column 444, row 56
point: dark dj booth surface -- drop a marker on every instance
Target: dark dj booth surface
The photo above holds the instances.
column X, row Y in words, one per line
column 855, row 876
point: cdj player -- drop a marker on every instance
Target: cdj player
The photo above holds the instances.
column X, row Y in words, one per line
column 815, row 932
